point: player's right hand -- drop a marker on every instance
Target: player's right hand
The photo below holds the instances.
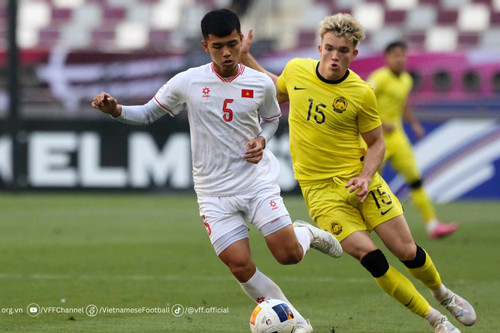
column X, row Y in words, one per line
column 255, row 150
column 107, row 104
column 361, row 185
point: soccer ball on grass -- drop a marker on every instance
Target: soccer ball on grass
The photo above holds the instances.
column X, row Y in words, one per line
column 273, row 315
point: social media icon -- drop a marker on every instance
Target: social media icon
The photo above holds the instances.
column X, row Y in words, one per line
column 33, row 310
column 177, row 310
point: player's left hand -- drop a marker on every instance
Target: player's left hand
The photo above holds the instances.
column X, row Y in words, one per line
column 247, row 42
column 361, row 184
column 254, row 151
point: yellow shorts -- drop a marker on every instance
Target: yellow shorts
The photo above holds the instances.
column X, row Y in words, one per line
column 341, row 213
column 399, row 154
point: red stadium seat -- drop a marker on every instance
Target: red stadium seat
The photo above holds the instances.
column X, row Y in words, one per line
column 306, row 38
column 394, row 17
column 495, row 19
column 447, row 17
column 468, row 39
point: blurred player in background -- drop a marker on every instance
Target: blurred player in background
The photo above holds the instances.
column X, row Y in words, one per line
column 235, row 177
column 392, row 85
column 337, row 146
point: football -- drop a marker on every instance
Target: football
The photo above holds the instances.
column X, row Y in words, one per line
column 272, row 315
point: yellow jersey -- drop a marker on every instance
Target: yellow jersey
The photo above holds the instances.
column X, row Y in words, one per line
column 326, row 119
column 392, row 94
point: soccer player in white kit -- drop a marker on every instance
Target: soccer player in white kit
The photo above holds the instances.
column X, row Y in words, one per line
column 233, row 112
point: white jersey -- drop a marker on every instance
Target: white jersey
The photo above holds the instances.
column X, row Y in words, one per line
column 223, row 117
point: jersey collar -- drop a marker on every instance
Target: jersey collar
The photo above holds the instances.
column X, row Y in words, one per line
column 241, row 69
column 331, row 81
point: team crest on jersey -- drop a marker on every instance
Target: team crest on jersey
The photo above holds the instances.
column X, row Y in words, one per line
column 206, row 92
column 339, row 104
column 336, row 228
column 273, row 205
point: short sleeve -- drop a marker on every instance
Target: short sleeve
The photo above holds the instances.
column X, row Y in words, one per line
column 281, row 83
column 368, row 117
column 170, row 97
column 270, row 108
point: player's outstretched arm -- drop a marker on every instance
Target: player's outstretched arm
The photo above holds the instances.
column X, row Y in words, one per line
column 129, row 114
column 373, row 158
column 248, row 60
column 107, row 104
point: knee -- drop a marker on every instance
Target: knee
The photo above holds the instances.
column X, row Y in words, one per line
column 356, row 250
column 242, row 271
column 376, row 263
column 417, row 259
column 408, row 252
column 289, row 256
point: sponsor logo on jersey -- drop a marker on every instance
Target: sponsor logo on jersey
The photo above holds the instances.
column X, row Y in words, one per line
column 339, row 104
column 336, row 228
column 273, row 205
column 206, row 92
column 387, row 211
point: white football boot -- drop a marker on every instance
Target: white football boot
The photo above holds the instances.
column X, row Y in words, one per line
column 322, row 240
column 443, row 325
column 460, row 308
column 304, row 327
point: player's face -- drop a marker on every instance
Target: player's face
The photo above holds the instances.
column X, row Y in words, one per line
column 336, row 54
column 225, row 52
column 396, row 59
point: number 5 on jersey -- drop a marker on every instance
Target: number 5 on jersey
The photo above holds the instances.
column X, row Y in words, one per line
column 228, row 113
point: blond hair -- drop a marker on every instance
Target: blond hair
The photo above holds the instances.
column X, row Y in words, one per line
column 342, row 25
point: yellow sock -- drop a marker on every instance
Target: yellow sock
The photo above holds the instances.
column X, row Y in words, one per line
column 427, row 273
column 423, row 204
column 399, row 287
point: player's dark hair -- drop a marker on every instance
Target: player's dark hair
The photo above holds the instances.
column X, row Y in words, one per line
column 220, row 23
column 393, row 45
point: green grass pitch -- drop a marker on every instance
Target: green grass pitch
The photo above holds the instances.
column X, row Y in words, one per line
column 148, row 252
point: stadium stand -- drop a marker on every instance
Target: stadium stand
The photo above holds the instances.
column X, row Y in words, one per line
column 433, row 25
column 64, row 43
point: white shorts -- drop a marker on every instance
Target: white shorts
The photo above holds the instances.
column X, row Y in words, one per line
column 225, row 218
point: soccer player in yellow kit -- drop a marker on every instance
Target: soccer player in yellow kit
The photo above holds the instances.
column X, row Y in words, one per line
column 337, row 146
column 392, row 84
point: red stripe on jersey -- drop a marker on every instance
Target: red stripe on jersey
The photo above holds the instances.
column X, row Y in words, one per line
column 220, row 77
column 163, row 107
column 272, row 116
column 241, row 69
